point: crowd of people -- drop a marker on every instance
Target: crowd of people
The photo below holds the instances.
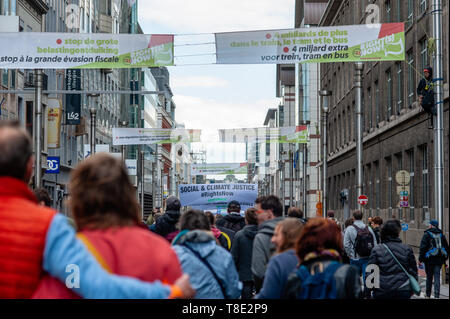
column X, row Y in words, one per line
column 192, row 253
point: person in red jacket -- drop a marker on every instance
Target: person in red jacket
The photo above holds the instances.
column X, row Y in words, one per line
column 35, row 240
column 107, row 216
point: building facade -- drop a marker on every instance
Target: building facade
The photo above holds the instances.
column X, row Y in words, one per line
column 396, row 134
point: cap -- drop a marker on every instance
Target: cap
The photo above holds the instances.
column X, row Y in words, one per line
column 173, row 203
column 434, row 223
column 234, row 204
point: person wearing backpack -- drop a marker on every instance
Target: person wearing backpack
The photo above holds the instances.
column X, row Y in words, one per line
column 393, row 259
column 359, row 240
column 433, row 253
column 321, row 274
column 210, row 267
column 233, row 220
column 242, row 251
column 285, row 259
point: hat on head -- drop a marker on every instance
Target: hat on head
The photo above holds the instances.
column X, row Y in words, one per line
column 434, row 223
column 173, row 203
column 234, row 204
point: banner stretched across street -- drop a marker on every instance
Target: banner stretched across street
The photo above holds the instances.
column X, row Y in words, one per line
column 217, row 196
column 47, row 50
column 349, row 43
column 219, row 169
column 137, row 136
column 284, row 134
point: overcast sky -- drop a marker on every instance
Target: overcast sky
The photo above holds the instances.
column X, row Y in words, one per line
column 210, row 96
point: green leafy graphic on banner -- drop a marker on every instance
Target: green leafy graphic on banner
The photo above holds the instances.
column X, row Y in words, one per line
column 161, row 55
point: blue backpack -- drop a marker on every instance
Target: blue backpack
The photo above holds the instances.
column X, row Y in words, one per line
column 319, row 285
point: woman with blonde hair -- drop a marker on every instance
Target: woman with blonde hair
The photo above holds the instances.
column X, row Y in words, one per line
column 285, row 260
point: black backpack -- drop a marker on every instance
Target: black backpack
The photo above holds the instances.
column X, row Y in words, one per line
column 363, row 242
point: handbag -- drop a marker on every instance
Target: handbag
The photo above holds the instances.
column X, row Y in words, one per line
column 415, row 287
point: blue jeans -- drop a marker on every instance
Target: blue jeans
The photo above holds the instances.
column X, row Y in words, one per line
column 433, row 271
column 361, row 263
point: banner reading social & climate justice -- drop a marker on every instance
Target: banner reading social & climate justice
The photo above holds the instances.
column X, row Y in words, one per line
column 219, row 169
column 217, row 196
column 47, row 50
column 284, row 134
column 351, row 43
column 137, row 136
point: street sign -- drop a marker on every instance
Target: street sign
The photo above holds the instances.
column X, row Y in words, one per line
column 404, row 203
column 405, row 226
column 363, row 200
column 53, row 165
column 402, row 177
column 402, row 189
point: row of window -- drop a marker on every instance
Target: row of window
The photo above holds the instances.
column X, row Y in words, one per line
column 380, row 186
column 379, row 103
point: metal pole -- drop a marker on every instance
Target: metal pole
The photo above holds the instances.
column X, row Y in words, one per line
column 438, row 118
column 124, row 124
column 162, row 183
column 359, row 66
column 153, row 184
column 324, row 95
column 291, row 180
column 93, row 112
column 282, row 184
column 142, row 183
column 305, row 172
column 38, row 128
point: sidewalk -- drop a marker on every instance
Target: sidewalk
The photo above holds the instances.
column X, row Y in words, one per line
column 443, row 294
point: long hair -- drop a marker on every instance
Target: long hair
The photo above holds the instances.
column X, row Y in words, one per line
column 318, row 234
column 290, row 228
column 101, row 194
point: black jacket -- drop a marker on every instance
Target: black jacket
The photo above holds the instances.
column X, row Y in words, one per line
column 348, row 282
column 233, row 221
column 377, row 231
column 166, row 223
column 425, row 88
column 241, row 250
column 392, row 277
column 426, row 245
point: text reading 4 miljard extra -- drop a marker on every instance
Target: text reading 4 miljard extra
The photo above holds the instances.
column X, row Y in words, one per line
column 212, row 187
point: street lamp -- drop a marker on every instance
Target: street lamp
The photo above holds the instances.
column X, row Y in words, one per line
column 123, row 124
column 93, row 113
column 324, row 96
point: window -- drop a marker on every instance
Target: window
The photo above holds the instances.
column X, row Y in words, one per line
column 5, row 77
column 377, row 185
column 377, row 102
column 399, row 10
column 369, row 108
column 411, row 78
column 339, row 132
column 423, row 53
column 399, row 163
column 387, row 4
column 399, row 87
column 389, row 94
column 423, row 6
column 349, row 123
column 389, row 182
column 425, row 188
column 411, row 183
column 344, row 125
column 410, row 19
